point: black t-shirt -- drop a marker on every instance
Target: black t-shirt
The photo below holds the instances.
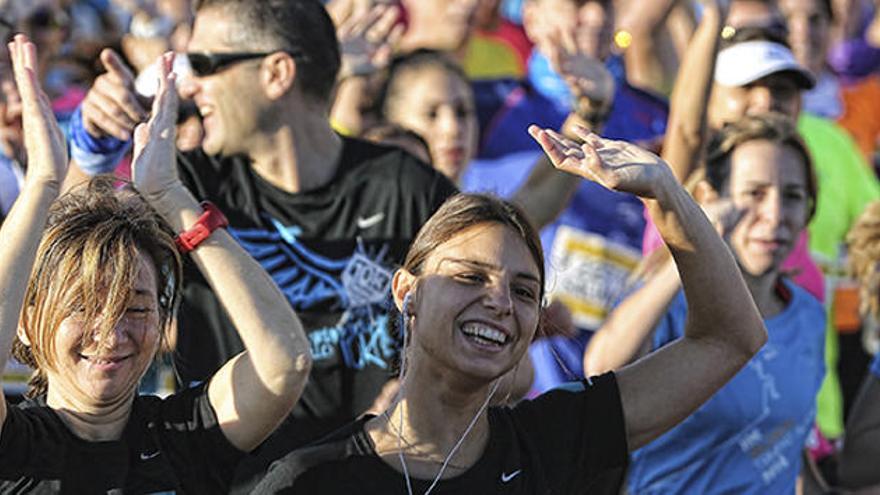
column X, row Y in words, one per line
column 567, row 441
column 169, row 445
column 332, row 251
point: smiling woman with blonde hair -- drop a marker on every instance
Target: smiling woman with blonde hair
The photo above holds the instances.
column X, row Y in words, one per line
column 90, row 286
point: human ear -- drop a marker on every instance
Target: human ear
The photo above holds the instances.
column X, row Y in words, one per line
column 402, row 288
column 22, row 336
column 704, row 193
column 20, row 331
column 277, row 74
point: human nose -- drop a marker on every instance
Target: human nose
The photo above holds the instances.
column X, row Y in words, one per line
column 760, row 100
column 498, row 298
column 770, row 208
column 114, row 336
column 449, row 123
column 188, row 86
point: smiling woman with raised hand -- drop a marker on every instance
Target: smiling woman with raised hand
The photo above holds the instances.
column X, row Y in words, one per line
column 89, row 289
column 470, row 295
column 749, row 438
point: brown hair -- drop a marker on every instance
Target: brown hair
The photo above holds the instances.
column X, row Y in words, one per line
column 463, row 211
column 87, row 262
column 389, row 83
column 864, row 258
column 773, row 127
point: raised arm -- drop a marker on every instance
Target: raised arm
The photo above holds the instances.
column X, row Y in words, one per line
column 254, row 391
column 723, row 330
column 686, row 130
column 547, row 191
column 22, row 229
column 366, row 42
column 647, row 58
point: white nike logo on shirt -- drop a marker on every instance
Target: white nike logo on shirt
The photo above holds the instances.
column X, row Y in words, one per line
column 507, row 477
column 147, row 457
column 365, row 223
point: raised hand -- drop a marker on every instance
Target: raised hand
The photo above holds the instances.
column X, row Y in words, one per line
column 587, row 77
column 112, row 106
column 44, row 142
column 616, row 165
column 154, row 166
column 367, row 40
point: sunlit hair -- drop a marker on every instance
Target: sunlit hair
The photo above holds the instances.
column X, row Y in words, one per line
column 864, row 258
column 87, row 263
column 463, row 211
column 773, row 127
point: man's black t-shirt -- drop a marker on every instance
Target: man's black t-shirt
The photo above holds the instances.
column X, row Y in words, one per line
column 332, row 251
column 567, row 441
column 169, row 445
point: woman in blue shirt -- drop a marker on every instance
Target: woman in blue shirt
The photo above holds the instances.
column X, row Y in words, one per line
column 748, row 438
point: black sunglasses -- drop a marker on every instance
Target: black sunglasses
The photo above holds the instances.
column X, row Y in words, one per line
column 205, row 64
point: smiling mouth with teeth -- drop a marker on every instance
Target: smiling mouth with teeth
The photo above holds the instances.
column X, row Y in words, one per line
column 104, row 360
column 484, row 334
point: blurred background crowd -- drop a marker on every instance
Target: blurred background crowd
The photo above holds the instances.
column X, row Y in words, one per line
column 457, row 82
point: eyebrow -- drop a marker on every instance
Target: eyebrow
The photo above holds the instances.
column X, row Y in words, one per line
column 489, row 266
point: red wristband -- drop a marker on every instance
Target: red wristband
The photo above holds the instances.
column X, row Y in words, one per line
column 211, row 220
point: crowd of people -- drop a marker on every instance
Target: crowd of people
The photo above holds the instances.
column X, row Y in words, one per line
column 440, row 246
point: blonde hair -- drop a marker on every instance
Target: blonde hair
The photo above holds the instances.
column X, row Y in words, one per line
column 864, row 258
column 87, row 263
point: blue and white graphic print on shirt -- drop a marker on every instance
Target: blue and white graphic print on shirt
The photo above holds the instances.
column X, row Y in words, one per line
column 357, row 286
column 748, row 438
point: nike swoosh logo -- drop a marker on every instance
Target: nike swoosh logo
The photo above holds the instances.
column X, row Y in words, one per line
column 507, row 477
column 147, row 457
column 365, row 223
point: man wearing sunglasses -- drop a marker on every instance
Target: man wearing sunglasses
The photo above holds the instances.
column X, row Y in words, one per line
column 327, row 216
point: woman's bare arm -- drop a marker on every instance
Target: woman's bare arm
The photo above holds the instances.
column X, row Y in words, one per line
column 686, row 129
column 646, row 66
column 254, row 391
column 547, row 191
column 723, row 329
column 47, row 165
column 366, row 40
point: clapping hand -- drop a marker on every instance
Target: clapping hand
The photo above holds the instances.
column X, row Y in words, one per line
column 154, row 169
column 616, row 165
column 367, row 39
column 44, row 142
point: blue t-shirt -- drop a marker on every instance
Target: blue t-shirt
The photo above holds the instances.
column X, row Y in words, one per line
column 748, row 438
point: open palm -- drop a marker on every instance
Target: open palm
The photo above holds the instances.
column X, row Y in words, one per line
column 154, row 169
column 616, row 165
column 43, row 139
